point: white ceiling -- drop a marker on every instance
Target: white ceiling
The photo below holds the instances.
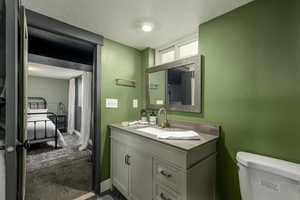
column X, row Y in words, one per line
column 119, row 19
column 35, row 69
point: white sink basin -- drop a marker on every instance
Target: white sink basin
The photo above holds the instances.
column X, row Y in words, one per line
column 151, row 130
column 173, row 134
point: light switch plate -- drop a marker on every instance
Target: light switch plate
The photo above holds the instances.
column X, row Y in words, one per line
column 112, row 103
column 135, row 103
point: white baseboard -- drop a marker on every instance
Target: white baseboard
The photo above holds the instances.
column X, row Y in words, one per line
column 105, row 185
column 86, row 196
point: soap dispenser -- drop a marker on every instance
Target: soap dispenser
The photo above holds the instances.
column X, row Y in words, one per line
column 152, row 118
column 144, row 115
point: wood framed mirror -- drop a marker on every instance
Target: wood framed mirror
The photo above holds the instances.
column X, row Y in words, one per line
column 175, row 85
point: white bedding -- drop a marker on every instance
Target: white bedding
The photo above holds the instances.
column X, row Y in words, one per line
column 39, row 122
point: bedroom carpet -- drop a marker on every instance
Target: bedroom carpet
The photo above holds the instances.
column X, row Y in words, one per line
column 44, row 155
column 56, row 174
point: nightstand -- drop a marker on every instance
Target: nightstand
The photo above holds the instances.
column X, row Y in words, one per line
column 62, row 123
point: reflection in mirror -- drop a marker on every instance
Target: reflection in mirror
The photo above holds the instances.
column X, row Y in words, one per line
column 181, row 85
column 157, row 88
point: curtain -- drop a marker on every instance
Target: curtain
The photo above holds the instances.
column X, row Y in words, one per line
column 86, row 110
column 71, row 107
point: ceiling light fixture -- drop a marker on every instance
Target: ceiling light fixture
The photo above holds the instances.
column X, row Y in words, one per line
column 147, row 27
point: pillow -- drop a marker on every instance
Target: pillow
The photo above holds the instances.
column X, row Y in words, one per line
column 42, row 111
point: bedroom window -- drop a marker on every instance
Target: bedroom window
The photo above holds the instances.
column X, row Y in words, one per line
column 182, row 48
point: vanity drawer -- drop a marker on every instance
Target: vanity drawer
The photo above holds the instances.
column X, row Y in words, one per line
column 169, row 175
column 164, row 193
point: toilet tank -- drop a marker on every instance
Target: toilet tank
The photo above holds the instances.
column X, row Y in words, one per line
column 264, row 178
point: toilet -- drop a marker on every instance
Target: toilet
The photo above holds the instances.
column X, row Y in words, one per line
column 264, row 178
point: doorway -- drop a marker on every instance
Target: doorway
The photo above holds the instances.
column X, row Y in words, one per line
column 17, row 23
column 67, row 167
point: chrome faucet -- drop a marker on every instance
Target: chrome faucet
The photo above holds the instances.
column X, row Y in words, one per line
column 162, row 123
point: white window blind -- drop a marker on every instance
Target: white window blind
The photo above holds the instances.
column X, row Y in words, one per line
column 167, row 56
column 188, row 49
column 182, row 48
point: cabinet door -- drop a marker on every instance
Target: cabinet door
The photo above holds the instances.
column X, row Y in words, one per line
column 140, row 181
column 120, row 170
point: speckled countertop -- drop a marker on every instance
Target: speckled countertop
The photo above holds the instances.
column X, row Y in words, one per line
column 185, row 145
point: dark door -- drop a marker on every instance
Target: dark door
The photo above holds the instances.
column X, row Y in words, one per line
column 22, row 102
column 12, row 111
column 2, row 99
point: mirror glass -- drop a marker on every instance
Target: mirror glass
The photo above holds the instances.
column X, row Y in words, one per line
column 181, row 85
column 157, row 87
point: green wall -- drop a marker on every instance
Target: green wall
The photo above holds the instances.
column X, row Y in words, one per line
column 118, row 61
column 251, row 75
column 251, row 83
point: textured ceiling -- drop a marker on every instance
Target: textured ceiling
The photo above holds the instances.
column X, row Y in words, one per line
column 119, row 20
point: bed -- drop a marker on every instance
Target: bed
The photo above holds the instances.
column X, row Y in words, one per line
column 41, row 124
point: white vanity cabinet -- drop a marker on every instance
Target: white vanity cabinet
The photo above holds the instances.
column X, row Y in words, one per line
column 140, row 175
column 144, row 168
column 131, row 171
column 119, row 166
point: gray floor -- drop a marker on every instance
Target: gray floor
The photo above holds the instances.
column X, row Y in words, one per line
column 106, row 197
column 65, row 177
column 44, row 155
column 115, row 195
column 60, row 183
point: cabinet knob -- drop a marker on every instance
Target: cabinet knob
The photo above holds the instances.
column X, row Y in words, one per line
column 165, row 174
column 163, row 197
column 128, row 159
column 127, row 162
